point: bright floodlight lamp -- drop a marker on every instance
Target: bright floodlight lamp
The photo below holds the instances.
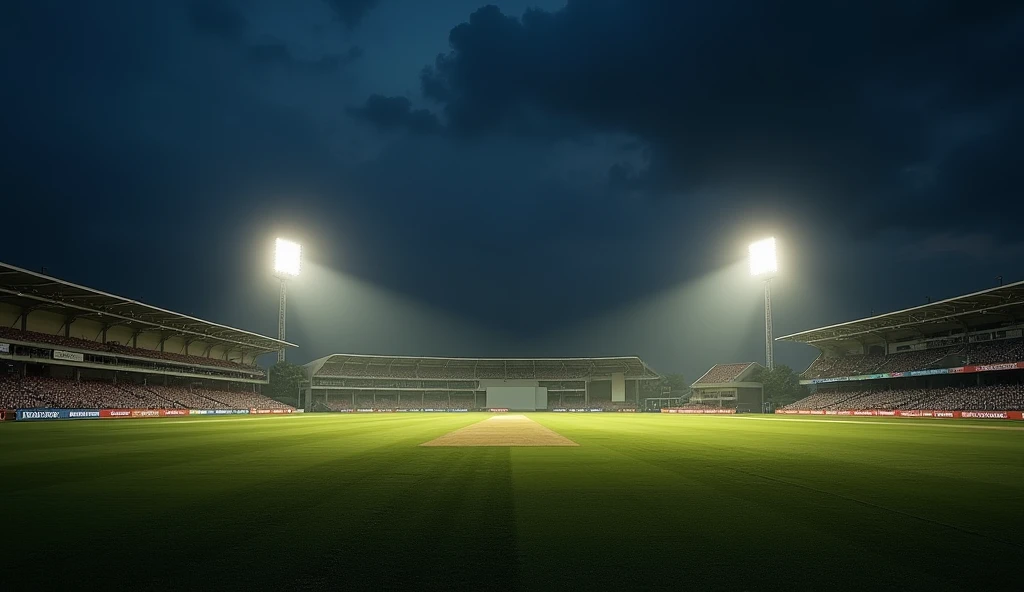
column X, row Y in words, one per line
column 764, row 263
column 287, row 262
column 762, row 257
column 287, row 258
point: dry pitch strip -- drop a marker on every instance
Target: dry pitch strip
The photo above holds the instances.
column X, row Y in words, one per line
column 503, row 430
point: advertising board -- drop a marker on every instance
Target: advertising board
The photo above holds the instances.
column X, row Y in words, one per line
column 934, row 413
column 69, row 356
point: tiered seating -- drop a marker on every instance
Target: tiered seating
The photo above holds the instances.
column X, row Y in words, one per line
column 241, row 400
column 76, row 343
column 722, row 373
column 183, row 397
column 339, row 405
column 988, row 352
column 579, row 403
column 33, row 391
column 12, row 396
column 844, row 366
column 995, row 352
column 919, row 360
column 1003, row 397
column 430, row 372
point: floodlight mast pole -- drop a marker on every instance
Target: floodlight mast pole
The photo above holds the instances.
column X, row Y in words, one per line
column 282, row 307
column 769, row 346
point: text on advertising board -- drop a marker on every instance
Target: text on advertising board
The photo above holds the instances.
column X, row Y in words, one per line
column 69, row 356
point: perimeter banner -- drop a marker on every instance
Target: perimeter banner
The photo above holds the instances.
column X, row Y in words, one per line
column 699, row 411
column 1018, row 415
column 115, row 413
column 43, row 414
column 142, row 413
column 270, row 411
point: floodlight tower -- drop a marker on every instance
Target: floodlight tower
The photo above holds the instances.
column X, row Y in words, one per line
column 763, row 263
column 287, row 261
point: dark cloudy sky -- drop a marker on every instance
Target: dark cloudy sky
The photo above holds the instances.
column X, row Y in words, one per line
column 536, row 177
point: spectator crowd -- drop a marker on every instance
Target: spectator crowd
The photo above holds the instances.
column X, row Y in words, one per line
column 996, row 397
column 18, row 392
column 977, row 353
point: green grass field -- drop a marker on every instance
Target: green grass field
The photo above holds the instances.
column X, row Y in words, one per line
column 645, row 502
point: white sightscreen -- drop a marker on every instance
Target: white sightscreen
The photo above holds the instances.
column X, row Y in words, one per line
column 517, row 398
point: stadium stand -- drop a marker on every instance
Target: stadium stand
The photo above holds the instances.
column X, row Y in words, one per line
column 352, row 381
column 732, row 386
column 960, row 354
column 44, row 311
column 65, row 346
column 981, row 328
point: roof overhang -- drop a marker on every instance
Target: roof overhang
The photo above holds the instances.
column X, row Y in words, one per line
column 1002, row 304
column 631, row 366
column 36, row 291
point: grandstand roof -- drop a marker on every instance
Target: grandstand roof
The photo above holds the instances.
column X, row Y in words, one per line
column 632, row 366
column 720, row 374
column 42, row 292
column 1003, row 304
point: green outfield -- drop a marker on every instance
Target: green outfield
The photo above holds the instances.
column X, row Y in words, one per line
column 643, row 502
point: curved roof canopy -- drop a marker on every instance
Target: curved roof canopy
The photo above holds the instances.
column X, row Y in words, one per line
column 631, row 366
column 987, row 308
column 37, row 291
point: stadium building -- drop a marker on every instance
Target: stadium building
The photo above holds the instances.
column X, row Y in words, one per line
column 347, row 382
column 960, row 354
column 728, row 386
column 65, row 346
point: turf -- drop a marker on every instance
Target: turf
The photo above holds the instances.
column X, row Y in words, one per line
column 644, row 502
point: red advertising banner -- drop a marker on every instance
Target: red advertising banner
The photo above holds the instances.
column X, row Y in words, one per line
column 1018, row 415
column 699, row 411
column 115, row 413
column 141, row 413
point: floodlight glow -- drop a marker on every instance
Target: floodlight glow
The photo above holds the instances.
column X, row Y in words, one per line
column 762, row 257
column 287, row 256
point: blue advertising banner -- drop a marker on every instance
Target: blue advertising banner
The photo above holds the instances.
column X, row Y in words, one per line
column 41, row 414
